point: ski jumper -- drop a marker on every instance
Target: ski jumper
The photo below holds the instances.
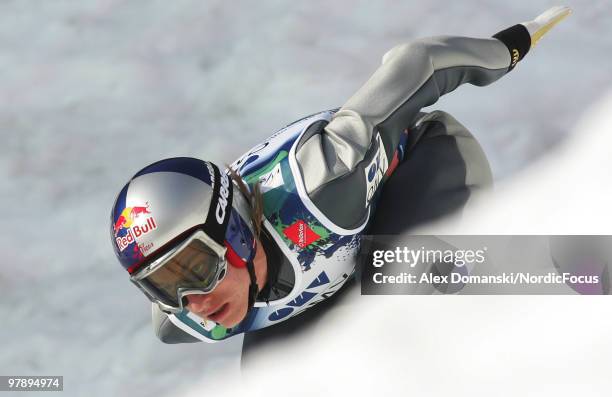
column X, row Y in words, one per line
column 332, row 166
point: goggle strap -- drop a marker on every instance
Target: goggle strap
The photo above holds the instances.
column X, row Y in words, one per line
column 220, row 206
column 233, row 258
column 253, row 289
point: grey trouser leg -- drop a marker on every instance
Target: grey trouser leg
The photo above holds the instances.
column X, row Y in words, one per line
column 444, row 164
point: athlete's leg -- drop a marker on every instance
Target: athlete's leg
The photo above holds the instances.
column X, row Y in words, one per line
column 443, row 166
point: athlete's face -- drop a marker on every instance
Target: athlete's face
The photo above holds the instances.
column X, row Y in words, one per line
column 227, row 303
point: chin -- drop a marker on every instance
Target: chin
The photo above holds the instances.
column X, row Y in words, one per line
column 229, row 323
column 232, row 320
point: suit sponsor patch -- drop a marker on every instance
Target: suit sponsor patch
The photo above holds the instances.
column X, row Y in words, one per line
column 375, row 171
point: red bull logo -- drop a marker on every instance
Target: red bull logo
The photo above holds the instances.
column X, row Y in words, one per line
column 129, row 219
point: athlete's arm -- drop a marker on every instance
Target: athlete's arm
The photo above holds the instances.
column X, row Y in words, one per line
column 412, row 76
column 166, row 331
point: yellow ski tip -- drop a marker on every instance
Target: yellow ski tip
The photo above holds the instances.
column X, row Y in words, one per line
column 550, row 18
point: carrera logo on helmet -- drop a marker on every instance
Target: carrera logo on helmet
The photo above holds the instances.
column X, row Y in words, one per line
column 130, row 221
column 223, row 195
column 211, row 172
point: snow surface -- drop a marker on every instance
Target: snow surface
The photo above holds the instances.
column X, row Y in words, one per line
column 92, row 91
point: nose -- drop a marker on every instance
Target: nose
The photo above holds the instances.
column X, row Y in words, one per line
column 197, row 303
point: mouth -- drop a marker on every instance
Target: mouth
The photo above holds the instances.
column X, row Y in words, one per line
column 218, row 314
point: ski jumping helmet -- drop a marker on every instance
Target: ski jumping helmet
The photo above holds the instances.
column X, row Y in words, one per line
column 174, row 227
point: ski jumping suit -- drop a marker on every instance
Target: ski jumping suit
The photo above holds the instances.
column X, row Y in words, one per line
column 340, row 159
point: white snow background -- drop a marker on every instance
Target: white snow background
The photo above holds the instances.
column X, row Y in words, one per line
column 92, row 91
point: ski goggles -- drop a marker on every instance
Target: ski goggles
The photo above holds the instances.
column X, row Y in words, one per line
column 195, row 266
